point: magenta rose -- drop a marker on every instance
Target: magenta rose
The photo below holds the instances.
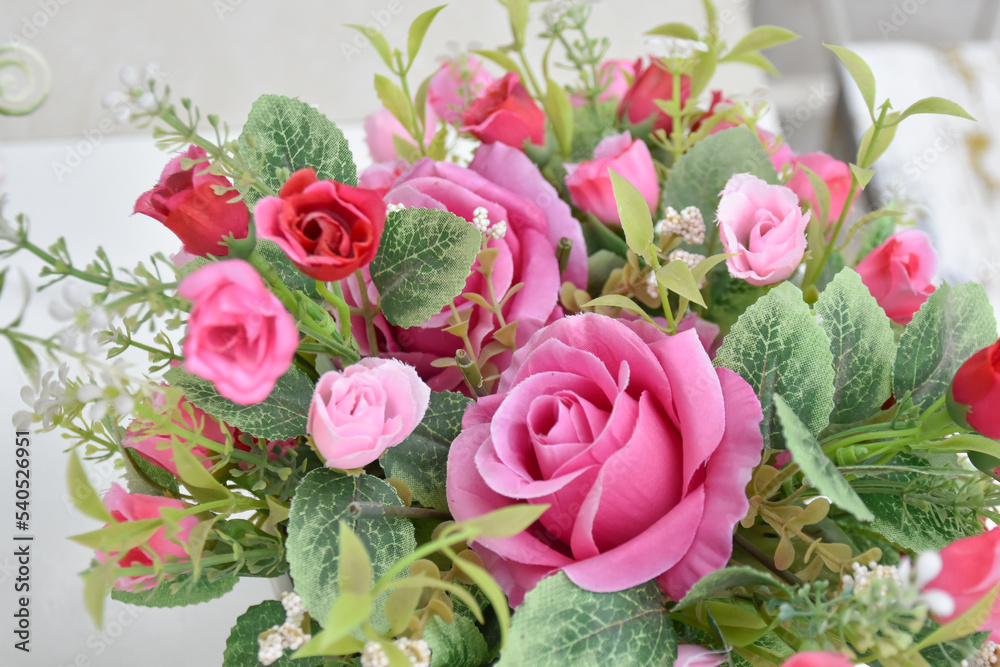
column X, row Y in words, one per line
column 381, row 126
column 509, row 186
column 455, row 85
column 372, row 405
column 156, row 447
column 239, row 336
column 505, row 113
column 185, row 202
column 641, row 448
column 589, row 183
column 818, row 659
column 381, row 175
column 125, row 507
column 898, row 273
column 764, row 226
column 836, row 175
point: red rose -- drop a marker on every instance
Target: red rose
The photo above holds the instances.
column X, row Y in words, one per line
column 185, row 202
column 974, row 397
column 328, row 229
column 651, row 84
column 505, row 112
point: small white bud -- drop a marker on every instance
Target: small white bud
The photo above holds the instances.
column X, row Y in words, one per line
column 88, row 392
column 929, row 566
column 147, row 101
column 130, row 76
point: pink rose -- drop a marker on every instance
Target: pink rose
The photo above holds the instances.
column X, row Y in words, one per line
column 454, row 86
column 764, row 226
column 689, row 655
column 836, row 175
column 652, row 83
column 589, row 183
column 777, row 148
column 239, row 335
column 898, row 273
column 970, row 568
column 506, row 113
column 124, row 507
column 817, row 659
column 156, row 447
column 186, row 204
column 372, row 405
column 509, row 186
column 381, row 126
column 381, row 175
column 641, row 448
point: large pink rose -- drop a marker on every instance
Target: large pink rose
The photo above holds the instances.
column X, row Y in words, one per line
column 836, row 175
column 381, row 126
column 239, row 335
column 509, row 186
column 970, row 569
column 640, row 446
column 589, row 183
column 764, row 226
column 454, row 86
column 898, row 273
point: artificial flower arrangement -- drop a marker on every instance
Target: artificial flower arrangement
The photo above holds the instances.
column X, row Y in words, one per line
column 443, row 389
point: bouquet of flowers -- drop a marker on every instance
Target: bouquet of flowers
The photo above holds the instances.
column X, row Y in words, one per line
column 449, row 387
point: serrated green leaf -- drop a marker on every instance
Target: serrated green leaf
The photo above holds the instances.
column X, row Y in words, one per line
column 912, row 528
column 418, row 29
column 954, row 323
column 863, row 346
column 860, row 72
column 242, row 647
column 84, row 496
column 290, row 134
column 721, row 583
column 815, row 465
column 559, row 110
column 423, row 262
column 678, row 30
column 421, row 460
column 281, row 415
column 633, row 211
column 761, row 37
column 313, row 544
column 501, row 59
column 584, row 628
column 456, row 644
column 677, row 278
column 179, row 593
column 778, row 347
column 935, row 105
column 378, row 40
column 729, row 298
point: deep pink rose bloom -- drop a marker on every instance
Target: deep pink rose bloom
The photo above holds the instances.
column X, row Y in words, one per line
column 372, row 405
column 506, row 113
column 186, row 204
column 898, row 273
column 640, row 446
column 818, row 659
column 764, row 226
column 454, row 86
column 124, row 507
column 836, row 175
column 652, row 82
column 589, row 183
column 976, row 387
column 156, row 448
column 505, row 182
column 970, row 569
column 690, row 655
column 381, row 176
column 380, row 127
column 239, row 335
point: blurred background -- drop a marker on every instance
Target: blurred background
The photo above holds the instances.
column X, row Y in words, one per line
column 76, row 173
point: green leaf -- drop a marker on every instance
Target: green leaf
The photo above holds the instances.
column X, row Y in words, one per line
column 84, row 497
column 395, row 100
column 761, row 37
column 560, row 112
column 561, row 624
column 863, row 346
column 815, row 465
column 965, row 624
column 421, row 460
column 954, row 323
column 882, row 143
column 700, row 175
column 703, row 70
column 822, row 192
column 377, row 40
column 198, row 480
column 313, row 545
column 915, row 528
column 779, row 348
column 287, row 271
column 965, row 443
column 935, row 105
column 755, row 59
column 417, row 31
column 178, row 593
column 138, row 470
column 860, row 72
column 501, row 59
column 98, row 581
column 242, row 647
column 281, row 415
column 677, row 277
column 456, row 644
column 506, row 521
column 354, row 568
column 678, row 30
column 519, row 15
column 290, row 134
column 349, row 611
column 633, row 211
column 491, row 590
column 861, row 176
column 619, row 301
column 728, row 298
column 423, row 262
column 117, row 537
column 721, row 582
column 399, row 607
column 26, row 357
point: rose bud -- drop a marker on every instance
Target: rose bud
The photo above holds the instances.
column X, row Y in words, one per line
column 691, row 655
column 974, row 395
column 372, row 405
column 970, row 569
column 186, row 204
column 836, row 175
column 328, row 229
column 765, row 228
column 239, row 335
column 589, row 183
column 454, row 86
column 506, row 113
column 156, row 447
column 898, row 273
column 652, row 83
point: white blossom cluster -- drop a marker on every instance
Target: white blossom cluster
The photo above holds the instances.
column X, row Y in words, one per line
column 689, row 224
column 985, row 657
column 481, row 221
column 416, row 650
column 289, row 635
column 393, row 208
column 692, row 259
column 676, row 47
column 123, row 104
column 908, row 578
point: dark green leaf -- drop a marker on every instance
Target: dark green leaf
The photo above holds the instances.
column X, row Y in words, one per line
column 456, row 644
column 242, row 646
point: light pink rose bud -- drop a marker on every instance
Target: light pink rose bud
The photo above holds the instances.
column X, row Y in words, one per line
column 359, row 413
column 778, row 149
column 239, row 335
column 898, row 273
column 382, row 125
column 836, row 175
column 764, row 226
column 818, row 659
column 454, row 86
column 689, row 655
column 589, row 183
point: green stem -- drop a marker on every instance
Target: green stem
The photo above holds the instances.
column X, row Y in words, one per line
column 526, row 67
column 368, row 313
column 185, row 566
column 880, row 437
column 667, row 311
column 336, row 298
column 142, row 346
column 62, row 268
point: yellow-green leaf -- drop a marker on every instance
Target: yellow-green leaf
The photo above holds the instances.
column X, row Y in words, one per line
column 119, row 536
column 85, row 498
column 354, row 572
column 935, row 105
column 399, row 607
column 636, row 220
column 619, row 301
column 501, row 59
column 492, row 592
column 191, row 471
column 676, row 277
column 378, row 41
column 761, row 37
column 507, row 521
column 97, row 584
column 560, row 112
column 348, row 612
column 860, row 72
column 394, row 99
column 965, row 624
column 674, row 29
column 418, row 29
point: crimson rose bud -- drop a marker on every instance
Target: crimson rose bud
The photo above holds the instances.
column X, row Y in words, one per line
column 974, row 396
column 328, row 229
column 185, row 202
column 651, row 84
column 505, row 112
